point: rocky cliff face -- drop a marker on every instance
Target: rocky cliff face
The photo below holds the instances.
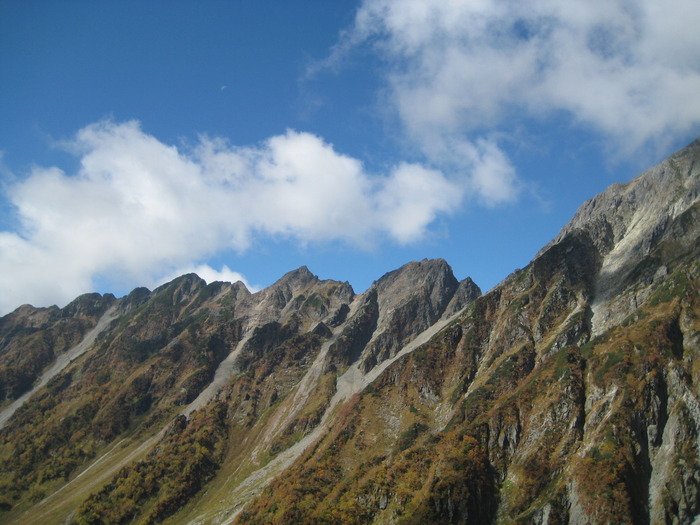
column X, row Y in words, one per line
column 568, row 394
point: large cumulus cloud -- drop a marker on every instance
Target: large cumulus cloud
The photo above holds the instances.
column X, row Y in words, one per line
column 139, row 209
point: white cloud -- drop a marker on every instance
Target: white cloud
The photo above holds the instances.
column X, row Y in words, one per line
column 139, row 210
column 411, row 199
column 492, row 176
column 628, row 70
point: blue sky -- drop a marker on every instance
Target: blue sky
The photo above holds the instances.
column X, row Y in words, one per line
column 142, row 140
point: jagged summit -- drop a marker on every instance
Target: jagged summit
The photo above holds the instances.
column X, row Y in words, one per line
column 433, row 278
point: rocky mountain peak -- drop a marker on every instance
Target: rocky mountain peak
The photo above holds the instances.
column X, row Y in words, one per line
column 467, row 292
column 415, row 272
column 632, row 212
column 186, row 283
column 88, row 305
column 301, row 277
column 430, row 277
column 627, row 222
column 240, row 289
column 29, row 316
column 299, row 296
column 409, row 300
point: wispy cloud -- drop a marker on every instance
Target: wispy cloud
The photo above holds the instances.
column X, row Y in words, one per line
column 629, row 71
column 139, row 209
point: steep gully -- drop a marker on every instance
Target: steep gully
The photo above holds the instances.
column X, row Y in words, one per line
column 351, row 382
column 61, row 362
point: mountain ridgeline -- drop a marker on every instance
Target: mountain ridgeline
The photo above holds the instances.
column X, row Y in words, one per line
column 569, row 393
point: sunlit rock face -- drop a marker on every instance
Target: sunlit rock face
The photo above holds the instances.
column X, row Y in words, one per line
column 567, row 394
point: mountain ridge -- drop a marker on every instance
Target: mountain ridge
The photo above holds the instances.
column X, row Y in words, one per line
column 567, row 393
